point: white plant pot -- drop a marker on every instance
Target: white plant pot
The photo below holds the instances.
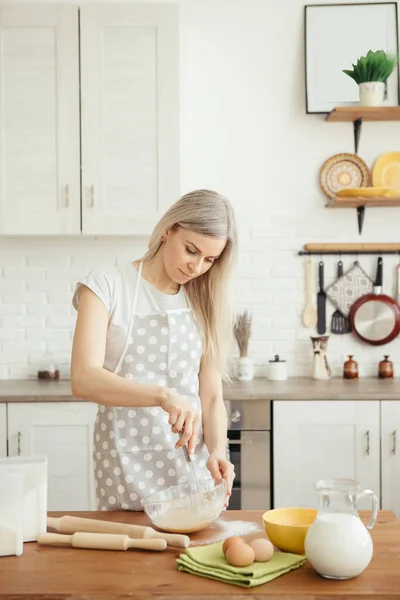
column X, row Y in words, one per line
column 371, row 93
column 245, row 368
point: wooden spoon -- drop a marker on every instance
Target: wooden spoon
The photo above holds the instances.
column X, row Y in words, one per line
column 310, row 316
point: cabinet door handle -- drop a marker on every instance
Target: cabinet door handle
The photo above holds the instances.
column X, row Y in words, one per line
column 394, row 442
column 367, row 447
column 91, row 196
column 67, row 196
column 19, row 443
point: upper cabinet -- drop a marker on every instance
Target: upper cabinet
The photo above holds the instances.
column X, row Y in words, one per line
column 89, row 118
column 39, row 120
column 130, row 116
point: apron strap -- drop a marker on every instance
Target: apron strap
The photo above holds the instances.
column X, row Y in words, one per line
column 136, row 294
column 132, row 319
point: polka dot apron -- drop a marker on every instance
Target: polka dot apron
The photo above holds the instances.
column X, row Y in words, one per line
column 134, row 448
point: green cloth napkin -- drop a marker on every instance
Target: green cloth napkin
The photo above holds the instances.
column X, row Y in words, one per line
column 209, row 561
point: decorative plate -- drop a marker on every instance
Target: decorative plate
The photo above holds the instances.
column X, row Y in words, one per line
column 362, row 191
column 343, row 171
column 386, row 172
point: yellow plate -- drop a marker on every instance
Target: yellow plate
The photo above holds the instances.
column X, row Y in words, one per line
column 386, row 172
column 362, row 191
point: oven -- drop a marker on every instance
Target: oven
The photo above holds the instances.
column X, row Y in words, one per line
column 249, row 444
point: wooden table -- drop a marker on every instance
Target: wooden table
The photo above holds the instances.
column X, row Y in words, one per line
column 75, row 574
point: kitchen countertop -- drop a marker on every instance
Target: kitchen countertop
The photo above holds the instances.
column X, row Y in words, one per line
column 44, row 572
column 296, row 388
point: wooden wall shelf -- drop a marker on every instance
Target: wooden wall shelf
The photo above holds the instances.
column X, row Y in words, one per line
column 356, row 115
column 364, row 113
column 357, row 201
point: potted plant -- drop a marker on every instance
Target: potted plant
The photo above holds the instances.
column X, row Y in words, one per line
column 242, row 331
column 371, row 73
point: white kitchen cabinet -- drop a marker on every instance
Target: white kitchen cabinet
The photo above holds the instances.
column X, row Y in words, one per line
column 39, row 120
column 320, row 440
column 89, row 118
column 62, row 431
column 130, row 116
column 3, row 430
column 390, row 458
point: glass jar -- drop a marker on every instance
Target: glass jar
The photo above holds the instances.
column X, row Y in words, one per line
column 48, row 369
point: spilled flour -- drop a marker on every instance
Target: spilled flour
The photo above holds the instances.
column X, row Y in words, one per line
column 221, row 529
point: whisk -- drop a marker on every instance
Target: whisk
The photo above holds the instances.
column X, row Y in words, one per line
column 196, row 481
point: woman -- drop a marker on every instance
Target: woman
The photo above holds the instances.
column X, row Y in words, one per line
column 149, row 347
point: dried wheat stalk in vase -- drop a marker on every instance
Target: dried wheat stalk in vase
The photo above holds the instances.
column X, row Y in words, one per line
column 242, row 331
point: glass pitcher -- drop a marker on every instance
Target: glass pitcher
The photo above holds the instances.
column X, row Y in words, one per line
column 338, row 544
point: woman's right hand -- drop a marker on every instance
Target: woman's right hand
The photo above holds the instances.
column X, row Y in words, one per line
column 182, row 418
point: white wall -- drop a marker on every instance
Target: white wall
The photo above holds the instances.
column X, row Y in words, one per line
column 245, row 133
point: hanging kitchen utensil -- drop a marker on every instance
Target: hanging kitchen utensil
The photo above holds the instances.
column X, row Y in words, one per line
column 339, row 322
column 375, row 318
column 310, row 316
column 321, row 300
column 348, row 288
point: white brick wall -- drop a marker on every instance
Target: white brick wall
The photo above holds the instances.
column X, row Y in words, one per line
column 244, row 132
column 36, row 324
column 38, row 277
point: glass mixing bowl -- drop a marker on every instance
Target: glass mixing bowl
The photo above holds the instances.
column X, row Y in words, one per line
column 187, row 507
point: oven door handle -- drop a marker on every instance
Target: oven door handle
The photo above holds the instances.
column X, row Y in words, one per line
column 239, row 442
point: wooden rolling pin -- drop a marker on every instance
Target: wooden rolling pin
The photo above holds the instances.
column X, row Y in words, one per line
column 99, row 541
column 68, row 524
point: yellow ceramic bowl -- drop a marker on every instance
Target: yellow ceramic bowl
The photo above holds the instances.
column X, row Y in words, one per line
column 287, row 527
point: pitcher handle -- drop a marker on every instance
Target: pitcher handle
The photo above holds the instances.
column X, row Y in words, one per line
column 375, row 507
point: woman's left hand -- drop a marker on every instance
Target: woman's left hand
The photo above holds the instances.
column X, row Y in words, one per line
column 220, row 468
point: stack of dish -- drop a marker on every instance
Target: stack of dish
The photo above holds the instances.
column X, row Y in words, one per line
column 347, row 175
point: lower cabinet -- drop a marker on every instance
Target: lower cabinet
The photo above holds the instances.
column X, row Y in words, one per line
column 62, row 431
column 3, row 431
column 336, row 439
column 390, row 455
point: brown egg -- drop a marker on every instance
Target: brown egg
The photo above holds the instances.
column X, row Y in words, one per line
column 240, row 555
column 232, row 540
column 263, row 549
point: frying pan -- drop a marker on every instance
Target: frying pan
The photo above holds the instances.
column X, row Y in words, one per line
column 375, row 318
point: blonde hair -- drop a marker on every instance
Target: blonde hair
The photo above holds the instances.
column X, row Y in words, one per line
column 207, row 213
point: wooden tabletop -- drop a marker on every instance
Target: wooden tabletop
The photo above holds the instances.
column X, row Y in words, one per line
column 75, row 574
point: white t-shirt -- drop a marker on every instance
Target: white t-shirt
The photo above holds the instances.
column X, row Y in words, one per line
column 115, row 286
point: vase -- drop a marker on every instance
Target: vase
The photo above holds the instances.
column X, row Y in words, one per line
column 350, row 368
column 245, row 368
column 372, row 93
column 320, row 365
column 386, row 368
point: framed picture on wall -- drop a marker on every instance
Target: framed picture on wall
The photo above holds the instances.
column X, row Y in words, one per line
column 336, row 35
